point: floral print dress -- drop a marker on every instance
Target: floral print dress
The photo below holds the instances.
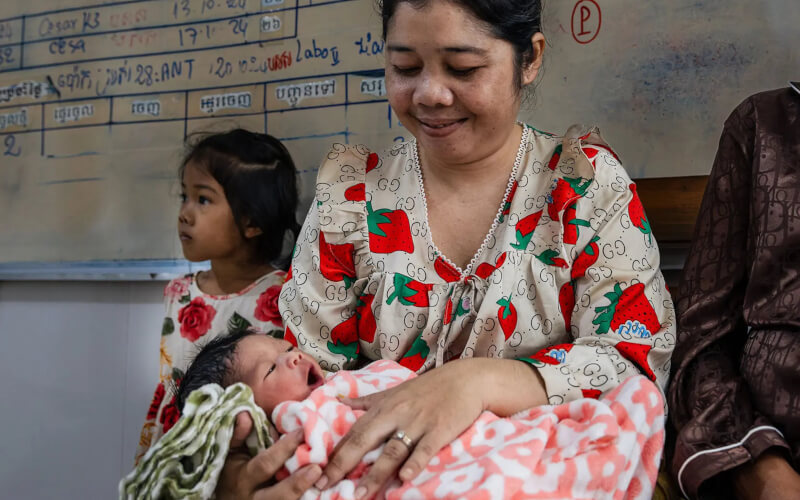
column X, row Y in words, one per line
column 567, row 278
column 192, row 319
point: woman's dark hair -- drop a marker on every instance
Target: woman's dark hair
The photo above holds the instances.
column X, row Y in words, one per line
column 259, row 178
column 514, row 21
column 213, row 364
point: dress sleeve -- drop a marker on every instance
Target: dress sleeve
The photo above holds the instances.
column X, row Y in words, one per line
column 718, row 428
column 158, row 417
column 331, row 263
column 614, row 300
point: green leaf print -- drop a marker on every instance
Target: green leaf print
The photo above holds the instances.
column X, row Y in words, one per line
column 237, row 322
column 168, row 327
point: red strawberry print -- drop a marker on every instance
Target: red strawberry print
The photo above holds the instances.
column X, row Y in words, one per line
column 590, row 153
column 551, row 258
column 485, row 269
column 566, row 302
column 445, row 270
column 637, row 215
column 344, row 338
column 336, row 261
column 637, row 353
column 389, row 230
column 507, row 316
column 553, row 355
column 629, row 308
column 556, row 156
column 372, row 161
column 366, row 318
column 572, row 225
column 566, row 191
column 507, row 202
column 355, row 193
column 449, row 314
column 409, row 291
column 416, row 356
column 289, row 337
column 585, row 259
column 525, row 228
column 591, row 393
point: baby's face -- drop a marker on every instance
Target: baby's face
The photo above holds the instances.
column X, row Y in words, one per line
column 275, row 370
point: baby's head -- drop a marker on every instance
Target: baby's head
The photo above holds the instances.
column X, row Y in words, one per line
column 273, row 368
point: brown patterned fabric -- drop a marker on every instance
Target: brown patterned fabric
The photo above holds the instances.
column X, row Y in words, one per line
column 736, row 367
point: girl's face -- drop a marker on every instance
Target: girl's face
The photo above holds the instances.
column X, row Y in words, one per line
column 451, row 82
column 206, row 226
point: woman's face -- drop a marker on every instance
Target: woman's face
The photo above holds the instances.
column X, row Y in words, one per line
column 451, row 82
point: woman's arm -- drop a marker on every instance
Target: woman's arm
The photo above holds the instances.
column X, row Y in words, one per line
column 432, row 409
column 718, row 427
column 244, row 477
column 613, row 299
column 770, row 477
column 318, row 303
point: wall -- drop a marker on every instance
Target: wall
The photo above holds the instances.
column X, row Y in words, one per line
column 78, row 366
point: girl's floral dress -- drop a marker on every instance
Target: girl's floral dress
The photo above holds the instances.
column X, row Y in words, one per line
column 192, row 319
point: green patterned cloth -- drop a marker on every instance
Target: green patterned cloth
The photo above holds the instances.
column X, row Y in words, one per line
column 187, row 460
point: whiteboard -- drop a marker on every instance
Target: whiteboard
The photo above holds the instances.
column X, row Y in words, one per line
column 96, row 99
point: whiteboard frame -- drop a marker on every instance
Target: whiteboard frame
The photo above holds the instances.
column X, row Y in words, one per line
column 107, row 270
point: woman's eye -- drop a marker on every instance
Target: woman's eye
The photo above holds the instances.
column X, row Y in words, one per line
column 203, row 200
column 405, row 70
column 463, row 71
column 183, row 197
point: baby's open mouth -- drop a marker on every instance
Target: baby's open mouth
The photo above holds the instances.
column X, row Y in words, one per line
column 314, row 377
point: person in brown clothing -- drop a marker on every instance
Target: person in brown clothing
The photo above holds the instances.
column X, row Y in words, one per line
column 735, row 393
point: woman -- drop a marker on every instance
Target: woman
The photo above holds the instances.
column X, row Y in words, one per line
column 483, row 242
column 734, row 397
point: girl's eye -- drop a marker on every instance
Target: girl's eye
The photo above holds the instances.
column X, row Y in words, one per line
column 405, row 70
column 203, row 200
column 272, row 369
column 183, row 197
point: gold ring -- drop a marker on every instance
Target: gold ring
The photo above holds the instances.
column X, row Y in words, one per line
column 403, row 438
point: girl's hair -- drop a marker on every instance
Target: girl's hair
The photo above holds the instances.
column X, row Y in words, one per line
column 515, row 21
column 259, row 178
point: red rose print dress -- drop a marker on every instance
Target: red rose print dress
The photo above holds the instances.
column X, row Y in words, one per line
column 567, row 278
column 196, row 317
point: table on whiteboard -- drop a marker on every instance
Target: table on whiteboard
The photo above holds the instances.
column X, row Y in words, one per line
column 96, row 99
column 95, row 102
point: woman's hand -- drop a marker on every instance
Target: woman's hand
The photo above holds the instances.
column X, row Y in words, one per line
column 245, row 477
column 770, row 477
column 432, row 410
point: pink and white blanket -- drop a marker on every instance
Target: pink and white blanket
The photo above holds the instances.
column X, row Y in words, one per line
column 589, row 448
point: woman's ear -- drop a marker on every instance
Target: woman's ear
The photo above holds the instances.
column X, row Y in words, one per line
column 529, row 72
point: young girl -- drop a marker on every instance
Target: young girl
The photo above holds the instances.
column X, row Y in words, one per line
column 238, row 203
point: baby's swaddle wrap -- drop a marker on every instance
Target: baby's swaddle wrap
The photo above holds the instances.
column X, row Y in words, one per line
column 588, row 448
column 186, row 461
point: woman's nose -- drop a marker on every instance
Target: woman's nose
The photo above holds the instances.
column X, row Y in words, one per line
column 433, row 90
